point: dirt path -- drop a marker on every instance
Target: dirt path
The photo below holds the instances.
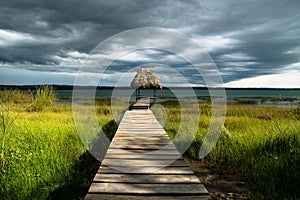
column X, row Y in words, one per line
column 219, row 186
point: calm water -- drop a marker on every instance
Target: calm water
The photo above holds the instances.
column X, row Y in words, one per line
column 259, row 97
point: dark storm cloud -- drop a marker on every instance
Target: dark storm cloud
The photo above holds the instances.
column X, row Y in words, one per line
column 245, row 38
column 268, row 32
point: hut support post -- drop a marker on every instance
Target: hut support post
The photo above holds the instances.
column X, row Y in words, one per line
column 136, row 94
column 154, row 94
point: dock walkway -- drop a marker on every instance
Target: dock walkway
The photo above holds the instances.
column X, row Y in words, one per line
column 143, row 103
column 143, row 163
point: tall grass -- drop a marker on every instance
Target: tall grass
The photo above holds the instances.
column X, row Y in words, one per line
column 38, row 100
column 39, row 155
column 45, row 159
column 260, row 144
column 7, row 121
column 43, row 155
column 44, row 97
column 16, row 96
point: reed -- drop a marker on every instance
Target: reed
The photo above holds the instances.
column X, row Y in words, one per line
column 43, row 157
column 259, row 144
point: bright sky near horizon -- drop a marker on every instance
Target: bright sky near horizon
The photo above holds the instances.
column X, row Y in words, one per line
column 253, row 43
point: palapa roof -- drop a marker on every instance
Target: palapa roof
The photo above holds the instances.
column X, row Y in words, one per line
column 145, row 78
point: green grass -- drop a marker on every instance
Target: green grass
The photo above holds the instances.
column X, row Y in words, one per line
column 43, row 157
column 259, row 144
column 43, row 98
column 38, row 155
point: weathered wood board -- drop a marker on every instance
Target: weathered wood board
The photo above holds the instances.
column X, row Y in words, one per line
column 143, row 163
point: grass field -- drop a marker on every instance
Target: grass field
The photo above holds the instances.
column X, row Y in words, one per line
column 260, row 144
column 42, row 156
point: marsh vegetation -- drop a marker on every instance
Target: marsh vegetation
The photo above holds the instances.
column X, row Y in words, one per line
column 42, row 156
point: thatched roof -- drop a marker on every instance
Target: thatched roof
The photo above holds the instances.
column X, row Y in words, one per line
column 145, row 78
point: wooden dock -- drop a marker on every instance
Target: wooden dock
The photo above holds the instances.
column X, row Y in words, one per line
column 143, row 163
column 143, row 103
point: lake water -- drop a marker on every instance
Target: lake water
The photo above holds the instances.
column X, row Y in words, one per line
column 259, row 97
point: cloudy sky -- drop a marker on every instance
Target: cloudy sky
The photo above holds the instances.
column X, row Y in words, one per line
column 253, row 43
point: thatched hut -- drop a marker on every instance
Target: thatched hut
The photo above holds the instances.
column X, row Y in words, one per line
column 145, row 78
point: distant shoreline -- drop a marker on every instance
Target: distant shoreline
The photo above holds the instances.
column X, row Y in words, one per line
column 70, row 87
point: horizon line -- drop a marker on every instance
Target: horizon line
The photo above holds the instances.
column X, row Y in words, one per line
column 99, row 86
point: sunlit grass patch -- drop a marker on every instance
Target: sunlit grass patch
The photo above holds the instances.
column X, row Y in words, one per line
column 260, row 144
column 43, row 156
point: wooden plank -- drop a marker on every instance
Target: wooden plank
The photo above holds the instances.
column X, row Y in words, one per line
column 143, row 121
column 137, row 113
column 139, row 127
column 147, row 157
column 143, row 101
column 142, row 146
column 156, row 135
column 143, row 163
column 165, row 170
column 134, row 178
column 129, row 135
column 141, row 140
column 143, row 131
column 141, row 124
column 139, row 119
column 149, row 137
column 145, row 140
column 139, row 197
column 124, row 188
column 142, row 104
column 140, row 151
column 136, row 130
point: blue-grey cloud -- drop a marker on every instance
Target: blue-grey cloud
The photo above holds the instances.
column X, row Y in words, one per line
column 244, row 38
